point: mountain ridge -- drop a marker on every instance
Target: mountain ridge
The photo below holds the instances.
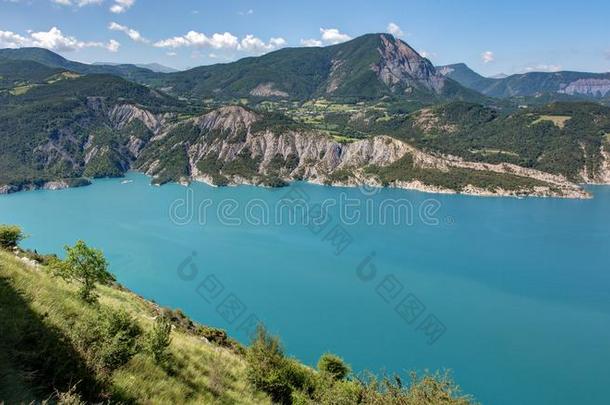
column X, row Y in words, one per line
column 586, row 85
column 371, row 66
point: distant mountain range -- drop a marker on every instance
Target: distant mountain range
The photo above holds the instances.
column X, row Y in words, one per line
column 51, row 59
column 155, row 67
column 370, row 67
column 594, row 86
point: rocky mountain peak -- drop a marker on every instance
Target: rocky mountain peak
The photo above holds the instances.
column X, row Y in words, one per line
column 400, row 65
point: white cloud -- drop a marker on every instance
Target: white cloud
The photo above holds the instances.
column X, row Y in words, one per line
column 249, row 12
column 427, row 54
column 487, row 57
column 79, row 3
column 113, row 46
column 311, row 42
column 252, row 44
column 395, row 30
column 9, row 39
column 133, row 34
column 278, row 42
column 328, row 36
column 542, row 68
column 54, row 40
column 608, row 54
column 120, row 6
column 200, row 40
column 171, row 54
column 333, row 36
column 224, row 41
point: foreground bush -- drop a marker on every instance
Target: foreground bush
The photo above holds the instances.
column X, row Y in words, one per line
column 334, row 366
column 429, row 389
column 10, row 236
column 288, row 382
column 110, row 339
column 270, row 371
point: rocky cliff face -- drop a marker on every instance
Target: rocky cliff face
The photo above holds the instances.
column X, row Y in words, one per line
column 233, row 145
column 601, row 174
column 587, row 87
column 242, row 155
column 401, row 65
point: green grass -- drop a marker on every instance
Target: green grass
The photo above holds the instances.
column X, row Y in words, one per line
column 201, row 372
column 558, row 120
column 487, row 152
column 21, row 90
column 343, row 139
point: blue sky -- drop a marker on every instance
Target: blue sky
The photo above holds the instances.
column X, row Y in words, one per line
column 492, row 37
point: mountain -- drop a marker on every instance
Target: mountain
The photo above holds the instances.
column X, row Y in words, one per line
column 51, row 59
column 372, row 66
column 369, row 67
column 84, row 126
column 155, row 67
column 59, row 125
column 335, row 115
column 18, row 75
column 467, row 77
column 595, row 86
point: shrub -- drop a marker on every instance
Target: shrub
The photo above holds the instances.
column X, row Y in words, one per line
column 329, row 391
column 334, row 366
column 85, row 265
column 120, row 334
column 159, row 339
column 110, row 339
column 429, row 389
column 10, row 236
column 269, row 371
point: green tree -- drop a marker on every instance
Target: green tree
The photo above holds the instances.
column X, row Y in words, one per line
column 10, row 236
column 334, row 366
column 159, row 339
column 85, row 265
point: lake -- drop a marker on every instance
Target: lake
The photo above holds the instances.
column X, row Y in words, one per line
column 512, row 295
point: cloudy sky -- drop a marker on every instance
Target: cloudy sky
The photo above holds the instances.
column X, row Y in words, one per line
column 492, row 37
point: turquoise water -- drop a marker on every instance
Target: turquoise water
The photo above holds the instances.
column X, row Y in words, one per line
column 521, row 287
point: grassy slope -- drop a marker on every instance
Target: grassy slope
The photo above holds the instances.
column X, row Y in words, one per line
column 33, row 300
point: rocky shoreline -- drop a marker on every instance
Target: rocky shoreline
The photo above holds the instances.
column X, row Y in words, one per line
column 271, row 157
column 415, row 185
column 49, row 185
